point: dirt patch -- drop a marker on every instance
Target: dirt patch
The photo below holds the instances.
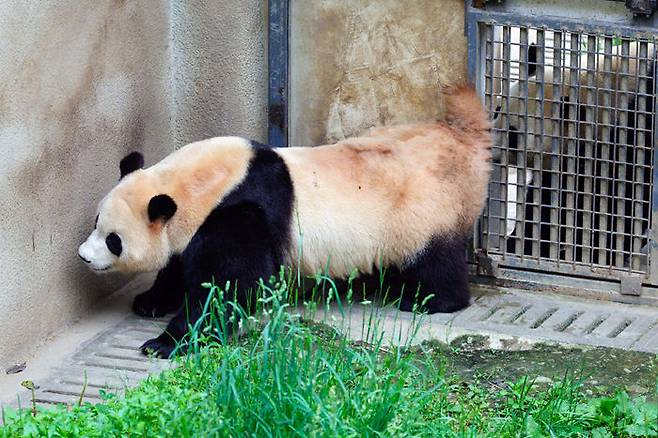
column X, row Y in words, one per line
column 603, row 371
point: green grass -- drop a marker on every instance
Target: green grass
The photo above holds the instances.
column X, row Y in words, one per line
column 290, row 377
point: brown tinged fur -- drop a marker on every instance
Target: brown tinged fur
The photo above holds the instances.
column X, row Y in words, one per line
column 383, row 196
column 464, row 109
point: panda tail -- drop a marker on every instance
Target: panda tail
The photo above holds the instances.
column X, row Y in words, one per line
column 464, row 109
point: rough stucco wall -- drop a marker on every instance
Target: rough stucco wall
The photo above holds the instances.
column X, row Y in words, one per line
column 355, row 64
column 80, row 84
column 219, row 69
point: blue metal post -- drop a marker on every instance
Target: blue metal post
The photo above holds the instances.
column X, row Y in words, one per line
column 277, row 45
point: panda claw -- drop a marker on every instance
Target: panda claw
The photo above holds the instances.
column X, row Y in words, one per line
column 158, row 347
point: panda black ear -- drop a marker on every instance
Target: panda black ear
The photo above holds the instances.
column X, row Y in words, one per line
column 131, row 163
column 161, row 207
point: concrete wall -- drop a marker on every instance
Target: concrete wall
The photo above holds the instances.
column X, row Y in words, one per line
column 219, row 65
column 82, row 83
column 362, row 63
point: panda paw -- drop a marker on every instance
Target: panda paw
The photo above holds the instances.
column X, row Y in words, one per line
column 162, row 347
column 148, row 304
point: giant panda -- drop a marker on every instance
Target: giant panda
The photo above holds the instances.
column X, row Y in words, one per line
column 566, row 115
column 403, row 197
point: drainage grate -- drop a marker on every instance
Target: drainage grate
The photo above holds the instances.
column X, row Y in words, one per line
column 511, row 320
column 110, row 361
column 546, row 315
column 561, row 319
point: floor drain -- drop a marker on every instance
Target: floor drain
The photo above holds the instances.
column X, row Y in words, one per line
column 542, row 319
column 546, row 317
column 570, row 320
column 594, row 325
column 73, row 393
column 518, row 314
column 620, row 328
column 110, row 361
column 490, row 312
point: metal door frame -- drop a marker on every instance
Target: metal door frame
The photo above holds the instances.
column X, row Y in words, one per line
column 278, row 70
column 633, row 289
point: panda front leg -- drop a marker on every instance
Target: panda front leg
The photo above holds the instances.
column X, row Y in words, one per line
column 189, row 313
column 164, row 345
column 166, row 294
column 441, row 271
column 235, row 247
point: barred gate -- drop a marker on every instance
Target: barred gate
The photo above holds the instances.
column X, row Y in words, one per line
column 573, row 109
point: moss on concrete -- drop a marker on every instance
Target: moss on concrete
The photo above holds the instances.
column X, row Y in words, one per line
column 603, row 371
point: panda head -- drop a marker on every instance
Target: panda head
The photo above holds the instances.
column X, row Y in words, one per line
column 130, row 230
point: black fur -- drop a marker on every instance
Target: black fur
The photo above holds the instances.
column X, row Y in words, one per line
column 441, row 271
column 113, row 242
column 241, row 241
column 131, row 163
column 532, row 60
column 161, row 207
column 166, row 294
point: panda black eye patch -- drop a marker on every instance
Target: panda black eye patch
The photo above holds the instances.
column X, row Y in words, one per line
column 113, row 242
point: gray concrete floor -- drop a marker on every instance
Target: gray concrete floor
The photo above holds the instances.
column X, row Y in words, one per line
column 98, row 352
column 102, row 348
column 514, row 320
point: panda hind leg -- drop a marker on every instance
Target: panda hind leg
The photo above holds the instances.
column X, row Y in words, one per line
column 440, row 271
column 166, row 295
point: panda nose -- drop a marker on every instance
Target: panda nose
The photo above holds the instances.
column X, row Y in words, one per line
column 85, row 260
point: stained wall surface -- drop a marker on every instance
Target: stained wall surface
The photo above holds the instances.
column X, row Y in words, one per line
column 81, row 84
column 219, row 69
column 355, row 64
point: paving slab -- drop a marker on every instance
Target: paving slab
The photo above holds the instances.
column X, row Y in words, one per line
column 98, row 353
column 512, row 320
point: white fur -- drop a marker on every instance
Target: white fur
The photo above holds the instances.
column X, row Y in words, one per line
column 95, row 253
